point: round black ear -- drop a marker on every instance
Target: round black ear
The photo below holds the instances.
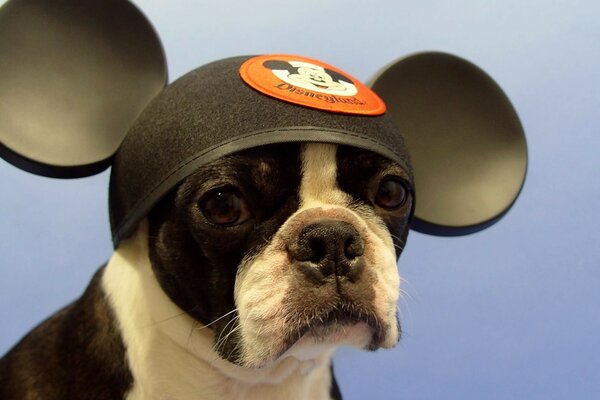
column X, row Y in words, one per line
column 465, row 140
column 74, row 76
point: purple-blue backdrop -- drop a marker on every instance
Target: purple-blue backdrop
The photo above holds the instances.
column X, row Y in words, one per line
column 509, row 313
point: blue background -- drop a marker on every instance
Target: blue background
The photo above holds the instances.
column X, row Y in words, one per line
column 509, row 313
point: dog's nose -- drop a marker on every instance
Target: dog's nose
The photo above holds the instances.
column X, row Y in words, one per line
column 329, row 247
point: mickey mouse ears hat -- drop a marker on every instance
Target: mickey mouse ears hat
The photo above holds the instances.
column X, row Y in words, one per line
column 72, row 93
column 213, row 111
column 74, row 74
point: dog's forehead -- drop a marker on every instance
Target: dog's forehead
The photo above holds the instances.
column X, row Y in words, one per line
column 269, row 159
column 264, row 164
column 269, row 174
column 259, row 165
column 355, row 158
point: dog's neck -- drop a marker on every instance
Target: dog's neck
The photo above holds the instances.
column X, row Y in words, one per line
column 171, row 355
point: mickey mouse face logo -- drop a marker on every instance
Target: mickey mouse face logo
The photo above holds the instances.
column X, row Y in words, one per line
column 310, row 83
column 312, row 77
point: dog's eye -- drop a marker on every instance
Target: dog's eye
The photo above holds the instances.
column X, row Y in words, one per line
column 225, row 207
column 392, row 193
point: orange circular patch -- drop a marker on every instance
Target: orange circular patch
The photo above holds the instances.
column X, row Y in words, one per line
column 310, row 83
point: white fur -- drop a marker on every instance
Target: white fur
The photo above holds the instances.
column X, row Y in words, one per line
column 171, row 356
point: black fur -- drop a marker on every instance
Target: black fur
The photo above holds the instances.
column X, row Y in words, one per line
column 75, row 354
column 359, row 173
column 196, row 262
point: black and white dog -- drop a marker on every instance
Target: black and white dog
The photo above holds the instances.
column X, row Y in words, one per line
column 258, row 207
column 258, row 204
column 240, row 283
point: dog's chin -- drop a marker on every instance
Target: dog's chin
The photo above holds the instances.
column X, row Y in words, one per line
column 334, row 326
column 323, row 339
column 340, row 326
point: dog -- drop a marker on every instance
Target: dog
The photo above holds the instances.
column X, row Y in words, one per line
column 240, row 283
column 244, row 255
column 258, row 204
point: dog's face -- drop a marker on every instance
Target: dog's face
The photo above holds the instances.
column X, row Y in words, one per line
column 285, row 248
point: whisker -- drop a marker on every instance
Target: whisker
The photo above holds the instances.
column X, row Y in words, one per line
column 233, row 320
column 404, row 303
column 216, row 320
column 154, row 323
column 188, row 342
column 222, row 341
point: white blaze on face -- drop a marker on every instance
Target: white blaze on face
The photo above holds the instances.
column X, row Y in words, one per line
column 264, row 280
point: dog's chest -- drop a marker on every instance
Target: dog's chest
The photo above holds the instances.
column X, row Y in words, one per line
column 170, row 358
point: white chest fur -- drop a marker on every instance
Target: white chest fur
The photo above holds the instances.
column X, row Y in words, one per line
column 171, row 356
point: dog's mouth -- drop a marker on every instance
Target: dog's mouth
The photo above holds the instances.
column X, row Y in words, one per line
column 333, row 325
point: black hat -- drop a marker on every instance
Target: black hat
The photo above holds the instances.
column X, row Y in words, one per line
column 211, row 112
column 65, row 111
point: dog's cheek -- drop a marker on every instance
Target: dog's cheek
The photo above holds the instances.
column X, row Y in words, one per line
column 398, row 226
column 382, row 256
column 191, row 279
column 387, row 289
column 260, row 289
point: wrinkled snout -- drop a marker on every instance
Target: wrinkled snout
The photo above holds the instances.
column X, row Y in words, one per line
column 328, row 249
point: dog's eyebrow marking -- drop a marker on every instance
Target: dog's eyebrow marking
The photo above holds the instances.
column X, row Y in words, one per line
column 319, row 176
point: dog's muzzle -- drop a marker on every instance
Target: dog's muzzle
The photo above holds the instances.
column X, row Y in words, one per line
column 328, row 249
